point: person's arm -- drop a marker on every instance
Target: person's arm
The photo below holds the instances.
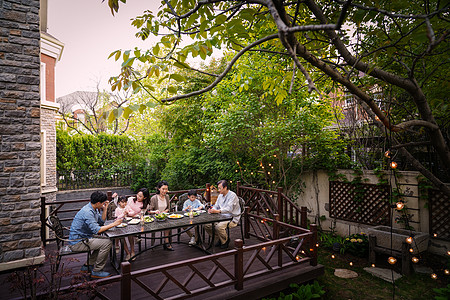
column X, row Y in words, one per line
column 105, row 209
column 113, row 224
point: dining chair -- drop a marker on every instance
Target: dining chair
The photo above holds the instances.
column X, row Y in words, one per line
column 242, row 206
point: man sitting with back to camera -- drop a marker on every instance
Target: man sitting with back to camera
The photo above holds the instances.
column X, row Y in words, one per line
column 227, row 203
column 86, row 224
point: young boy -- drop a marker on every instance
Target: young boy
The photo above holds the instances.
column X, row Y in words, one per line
column 192, row 204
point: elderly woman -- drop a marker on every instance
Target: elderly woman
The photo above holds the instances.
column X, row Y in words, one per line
column 161, row 203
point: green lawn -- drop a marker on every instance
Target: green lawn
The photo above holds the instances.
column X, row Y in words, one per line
column 366, row 286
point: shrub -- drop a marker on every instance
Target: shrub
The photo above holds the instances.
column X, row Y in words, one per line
column 357, row 244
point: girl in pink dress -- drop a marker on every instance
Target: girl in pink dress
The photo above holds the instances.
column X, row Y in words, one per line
column 120, row 213
column 135, row 207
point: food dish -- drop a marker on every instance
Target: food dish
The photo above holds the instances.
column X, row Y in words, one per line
column 134, row 222
column 122, row 225
column 148, row 219
column 161, row 217
column 175, row 216
column 195, row 213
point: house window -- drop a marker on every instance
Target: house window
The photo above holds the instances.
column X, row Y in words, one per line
column 348, row 100
column 43, row 82
column 43, row 158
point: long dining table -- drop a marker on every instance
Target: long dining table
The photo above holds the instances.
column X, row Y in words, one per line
column 142, row 228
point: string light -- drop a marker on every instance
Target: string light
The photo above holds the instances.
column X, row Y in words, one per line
column 411, row 250
column 393, row 165
column 251, row 173
column 351, row 264
column 311, row 250
column 400, row 205
column 434, row 234
column 237, row 162
column 236, row 170
column 268, row 173
column 231, row 181
column 415, row 260
column 377, row 118
column 273, row 182
column 332, row 256
column 409, row 240
column 270, row 165
column 373, row 265
column 317, row 245
column 297, row 258
column 434, row 276
column 387, row 154
column 447, row 272
column 274, row 155
column 448, row 252
column 392, row 260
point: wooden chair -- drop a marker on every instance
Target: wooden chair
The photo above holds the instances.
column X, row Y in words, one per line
column 63, row 250
column 179, row 207
column 242, row 205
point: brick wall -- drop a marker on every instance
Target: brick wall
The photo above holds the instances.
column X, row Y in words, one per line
column 19, row 131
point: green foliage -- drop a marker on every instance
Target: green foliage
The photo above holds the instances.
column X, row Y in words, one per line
column 301, row 292
column 443, row 293
column 89, row 152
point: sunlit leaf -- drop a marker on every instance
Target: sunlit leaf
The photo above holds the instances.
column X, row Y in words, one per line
column 172, row 90
column 177, row 77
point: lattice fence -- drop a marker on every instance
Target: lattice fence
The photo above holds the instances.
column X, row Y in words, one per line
column 366, row 204
column 439, row 207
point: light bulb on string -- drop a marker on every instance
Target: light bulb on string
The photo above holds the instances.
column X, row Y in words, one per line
column 411, row 250
column 392, row 260
column 434, row 276
column 447, row 272
column 387, row 154
column 409, row 240
column 351, row 264
column 373, row 265
column 400, row 205
column 415, row 260
column 448, row 252
column 394, row 165
column 434, row 234
column 333, row 256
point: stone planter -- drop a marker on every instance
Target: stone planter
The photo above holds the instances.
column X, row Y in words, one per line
column 383, row 238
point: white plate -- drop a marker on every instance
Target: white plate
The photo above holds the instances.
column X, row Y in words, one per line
column 175, row 216
column 134, row 222
column 187, row 215
column 201, row 211
column 128, row 218
column 122, row 225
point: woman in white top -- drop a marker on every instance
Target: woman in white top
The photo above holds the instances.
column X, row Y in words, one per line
column 161, row 203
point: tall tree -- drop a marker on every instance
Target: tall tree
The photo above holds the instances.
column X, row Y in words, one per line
column 396, row 46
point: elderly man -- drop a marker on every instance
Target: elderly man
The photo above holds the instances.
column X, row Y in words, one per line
column 86, row 224
column 227, row 202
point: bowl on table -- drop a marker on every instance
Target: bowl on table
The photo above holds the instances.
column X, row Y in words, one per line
column 161, row 217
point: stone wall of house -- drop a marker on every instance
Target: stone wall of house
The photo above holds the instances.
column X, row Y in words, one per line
column 20, row 186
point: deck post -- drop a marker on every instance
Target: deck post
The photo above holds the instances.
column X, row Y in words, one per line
column 208, row 193
column 247, row 222
column 313, row 247
column 43, row 222
column 239, row 265
column 237, row 188
column 280, row 202
column 125, row 281
column 276, row 235
column 303, row 217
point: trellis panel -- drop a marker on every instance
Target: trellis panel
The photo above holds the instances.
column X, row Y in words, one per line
column 439, row 206
column 372, row 209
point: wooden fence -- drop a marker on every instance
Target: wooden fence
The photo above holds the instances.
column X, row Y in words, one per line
column 285, row 245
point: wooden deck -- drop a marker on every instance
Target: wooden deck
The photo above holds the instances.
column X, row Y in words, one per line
column 254, row 288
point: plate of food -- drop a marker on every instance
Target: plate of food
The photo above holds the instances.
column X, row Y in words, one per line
column 195, row 213
column 121, row 225
column 148, row 219
column 160, row 217
column 175, row 216
column 134, row 221
column 128, row 218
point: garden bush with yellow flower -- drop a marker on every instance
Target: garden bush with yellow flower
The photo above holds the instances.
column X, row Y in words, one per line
column 357, row 244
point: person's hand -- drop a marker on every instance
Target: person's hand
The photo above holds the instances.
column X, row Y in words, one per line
column 157, row 211
column 114, row 195
column 118, row 222
column 105, row 204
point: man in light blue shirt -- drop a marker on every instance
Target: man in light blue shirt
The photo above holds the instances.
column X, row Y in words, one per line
column 227, row 203
column 85, row 225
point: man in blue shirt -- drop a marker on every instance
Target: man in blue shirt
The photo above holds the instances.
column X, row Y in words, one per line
column 86, row 224
column 227, row 203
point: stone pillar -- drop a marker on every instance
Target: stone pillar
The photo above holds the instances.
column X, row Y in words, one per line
column 20, row 183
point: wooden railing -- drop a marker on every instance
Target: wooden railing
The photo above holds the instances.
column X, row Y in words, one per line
column 268, row 203
column 285, row 244
column 212, row 272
